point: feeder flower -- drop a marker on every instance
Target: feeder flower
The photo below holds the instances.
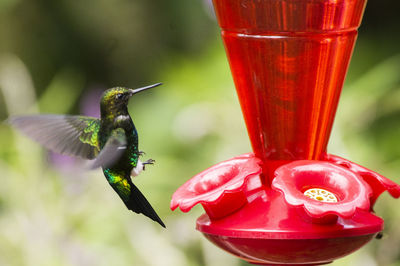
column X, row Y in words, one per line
column 322, row 190
column 377, row 182
column 288, row 62
column 220, row 188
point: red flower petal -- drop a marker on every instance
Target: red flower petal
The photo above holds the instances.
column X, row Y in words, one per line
column 295, row 178
column 211, row 186
column 377, row 182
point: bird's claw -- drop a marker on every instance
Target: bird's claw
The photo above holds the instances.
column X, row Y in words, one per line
column 141, row 153
column 149, row 161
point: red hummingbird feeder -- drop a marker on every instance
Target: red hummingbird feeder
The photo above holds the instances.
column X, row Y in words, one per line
column 289, row 202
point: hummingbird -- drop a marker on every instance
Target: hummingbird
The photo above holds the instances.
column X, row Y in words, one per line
column 111, row 142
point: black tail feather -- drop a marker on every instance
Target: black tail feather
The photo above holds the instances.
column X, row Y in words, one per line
column 130, row 194
column 139, row 204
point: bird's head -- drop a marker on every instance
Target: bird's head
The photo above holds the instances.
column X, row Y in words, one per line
column 116, row 99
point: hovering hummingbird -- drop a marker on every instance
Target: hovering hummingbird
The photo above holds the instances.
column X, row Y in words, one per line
column 111, row 142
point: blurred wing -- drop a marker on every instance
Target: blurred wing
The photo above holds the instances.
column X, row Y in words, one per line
column 112, row 150
column 69, row 135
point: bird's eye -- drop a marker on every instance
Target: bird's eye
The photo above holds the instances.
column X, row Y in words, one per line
column 119, row 96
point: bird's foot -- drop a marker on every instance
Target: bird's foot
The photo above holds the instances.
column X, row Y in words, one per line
column 141, row 153
column 149, row 161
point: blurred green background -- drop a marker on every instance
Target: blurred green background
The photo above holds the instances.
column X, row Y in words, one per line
column 57, row 56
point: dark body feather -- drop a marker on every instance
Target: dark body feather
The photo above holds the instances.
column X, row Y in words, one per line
column 116, row 117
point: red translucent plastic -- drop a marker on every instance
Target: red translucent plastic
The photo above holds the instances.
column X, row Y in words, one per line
column 220, row 188
column 288, row 60
column 376, row 181
column 293, row 252
column 351, row 190
column 293, row 16
column 281, row 225
column 278, row 225
column 269, row 231
column 268, row 216
column 229, row 185
column 286, row 90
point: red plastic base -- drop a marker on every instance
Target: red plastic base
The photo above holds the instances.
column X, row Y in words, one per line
column 274, row 234
column 266, row 264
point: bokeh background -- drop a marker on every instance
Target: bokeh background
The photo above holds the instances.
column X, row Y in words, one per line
column 57, row 56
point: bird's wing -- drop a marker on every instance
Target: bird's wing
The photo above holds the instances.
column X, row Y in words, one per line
column 112, row 150
column 65, row 134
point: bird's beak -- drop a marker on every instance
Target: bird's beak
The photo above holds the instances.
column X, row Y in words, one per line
column 134, row 91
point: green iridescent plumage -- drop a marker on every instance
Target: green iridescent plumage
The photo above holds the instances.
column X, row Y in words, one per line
column 90, row 133
column 112, row 141
column 118, row 181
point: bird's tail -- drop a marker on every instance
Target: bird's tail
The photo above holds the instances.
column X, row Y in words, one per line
column 131, row 195
column 139, row 204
